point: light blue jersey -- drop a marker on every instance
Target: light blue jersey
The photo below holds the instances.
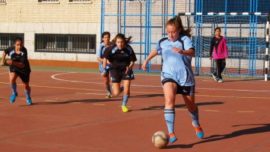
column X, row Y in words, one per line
column 100, row 52
column 176, row 66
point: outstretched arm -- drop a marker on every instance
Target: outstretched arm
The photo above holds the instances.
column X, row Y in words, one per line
column 150, row 57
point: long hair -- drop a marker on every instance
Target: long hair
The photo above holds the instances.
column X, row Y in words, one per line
column 104, row 34
column 126, row 40
column 177, row 22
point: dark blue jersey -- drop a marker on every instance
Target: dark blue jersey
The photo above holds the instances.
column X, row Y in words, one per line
column 120, row 58
column 21, row 57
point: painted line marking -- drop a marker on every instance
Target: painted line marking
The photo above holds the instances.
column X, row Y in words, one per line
column 54, row 77
column 211, row 110
column 247, row 111
column 49, row 100
column 241, row 97
column 98, row 104
column 141, row 93
column 3, row 73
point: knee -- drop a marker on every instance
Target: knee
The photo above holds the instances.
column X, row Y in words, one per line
column 116, row 93
column 192, row 108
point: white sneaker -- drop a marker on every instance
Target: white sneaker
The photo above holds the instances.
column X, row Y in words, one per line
column 220, row 81
column 214, row 77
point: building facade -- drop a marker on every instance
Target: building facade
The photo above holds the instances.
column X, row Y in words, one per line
column 52, row 29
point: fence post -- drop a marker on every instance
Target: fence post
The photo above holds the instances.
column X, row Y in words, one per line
column 266, row 60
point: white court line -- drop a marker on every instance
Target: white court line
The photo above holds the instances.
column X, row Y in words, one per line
column 54, row 76
column 246, row 111
column 4, row 73
column 142, row 93
column 246, row 97
column 99, row 94
column 210, row 110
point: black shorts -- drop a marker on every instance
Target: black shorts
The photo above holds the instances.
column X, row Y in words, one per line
column 118, row 75
column 184, row 90
column 24, row 76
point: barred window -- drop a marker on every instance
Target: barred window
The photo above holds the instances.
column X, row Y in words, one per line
column 48, row 1
column 6, row 39
column 65, row 43
column 80, row 1
column 3, row 2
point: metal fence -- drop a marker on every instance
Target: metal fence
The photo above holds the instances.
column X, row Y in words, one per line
column 243, row 24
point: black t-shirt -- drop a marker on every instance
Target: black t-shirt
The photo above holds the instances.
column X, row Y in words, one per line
column 21, row 57
column 120, row 58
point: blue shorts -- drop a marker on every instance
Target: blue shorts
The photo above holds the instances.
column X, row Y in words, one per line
column 184, row 90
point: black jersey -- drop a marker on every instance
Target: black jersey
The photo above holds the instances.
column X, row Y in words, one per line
column 21, row 57
column 120, row 58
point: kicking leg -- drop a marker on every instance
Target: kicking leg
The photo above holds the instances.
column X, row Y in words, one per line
column 194, row 113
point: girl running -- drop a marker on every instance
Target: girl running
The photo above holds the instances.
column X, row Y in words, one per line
column 122, row 58
column 177, row 77
column 219, row 52
column 105, row 43
column 19, row 67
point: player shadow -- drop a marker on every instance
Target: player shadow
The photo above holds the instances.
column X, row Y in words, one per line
column 243, row 80
column 183, row 105
column 260, row 128
column 76, row 101
column 147, row 96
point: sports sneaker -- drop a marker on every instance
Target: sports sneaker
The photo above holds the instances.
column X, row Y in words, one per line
column 172, row 138
column 28, row 101
column 214, row 77
column 108, row 96
column 124, row 109
column 12, row 98
column 220, row 81
column 199, row 132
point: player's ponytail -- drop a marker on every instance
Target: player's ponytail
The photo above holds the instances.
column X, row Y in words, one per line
column 177, row 22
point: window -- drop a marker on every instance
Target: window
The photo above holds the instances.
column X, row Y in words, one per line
column 65, row 43
column 48, row 1
column 6, row 40
column 80, row 1
column 3, row 2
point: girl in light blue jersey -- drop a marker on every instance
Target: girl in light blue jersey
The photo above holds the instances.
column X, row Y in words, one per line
column 177, row 77
column 105, row 43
